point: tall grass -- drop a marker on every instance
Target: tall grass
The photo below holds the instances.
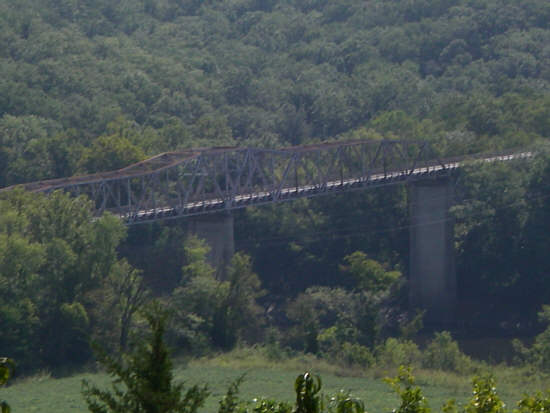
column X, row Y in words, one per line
column 271, row 378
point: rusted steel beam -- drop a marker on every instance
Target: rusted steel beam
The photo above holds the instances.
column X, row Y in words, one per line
column 204, row 180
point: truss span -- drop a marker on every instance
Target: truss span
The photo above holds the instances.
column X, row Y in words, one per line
column 201, row 181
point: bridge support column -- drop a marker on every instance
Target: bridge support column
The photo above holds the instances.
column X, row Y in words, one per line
column 432, row 281
column 217, row 231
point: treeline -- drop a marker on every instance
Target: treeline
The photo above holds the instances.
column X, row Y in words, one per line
column 65, row 286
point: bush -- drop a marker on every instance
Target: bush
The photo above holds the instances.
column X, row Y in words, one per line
column 340, row 345
column 328, row 341
column 273, row 349
column 230, row 402
column 144, row 380
column 321, row 313
column 267, row 406
column 210, row 312
column 308, row 399
column 538, row 355
column 412, row 400
column 485, row 399
column 538, row 403
column 394, row 353
column 6, row 366
column 443, row 354
column 344, row 402
column 351, row 355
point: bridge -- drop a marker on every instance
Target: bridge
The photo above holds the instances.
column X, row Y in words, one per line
column 205, row 184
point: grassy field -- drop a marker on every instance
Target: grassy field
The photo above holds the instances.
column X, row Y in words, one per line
column 41, row 393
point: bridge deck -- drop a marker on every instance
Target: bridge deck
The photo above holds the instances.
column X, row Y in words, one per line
column 207, row 180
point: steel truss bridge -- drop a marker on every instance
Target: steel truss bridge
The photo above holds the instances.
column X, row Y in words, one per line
column 208, row 180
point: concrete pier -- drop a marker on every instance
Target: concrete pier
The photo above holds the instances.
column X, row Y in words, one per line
column 432, row 280
column 217, row 231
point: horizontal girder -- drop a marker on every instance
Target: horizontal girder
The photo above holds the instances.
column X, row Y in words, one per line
column 200, row 181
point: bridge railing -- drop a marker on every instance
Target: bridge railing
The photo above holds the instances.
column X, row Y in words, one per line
column 232, row 178
column 203, row 180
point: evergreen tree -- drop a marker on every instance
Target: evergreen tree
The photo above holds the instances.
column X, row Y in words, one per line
column 146, row 378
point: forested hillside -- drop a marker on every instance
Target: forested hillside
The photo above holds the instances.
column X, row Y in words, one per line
column 91, row 85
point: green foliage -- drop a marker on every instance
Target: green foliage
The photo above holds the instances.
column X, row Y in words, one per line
column 538, row 355
column 353, row 354
column 270, row 406
column 53, row 255
column 450, row 406
column 410, row 328
column 544, row 314
column 146, row 377
column 108, row 153
column 536, row 285
column 394, row 353
column 442, row 353
column 308, row 399
column 230, row 402
column 326, row 318
column 485, row 398
column 344, row 402
column 266, row 379
column 115, row 303
column 537, row 403
column 305, row 335
column 238, row 316
column 196, row 252
column 27, row 149
column 211, row 311
column 296, row 72
column 272, row 345
column 369, row 274
column 339, row 349
column 195, row 301
column 75, row 324
column 412, row 400
column 6, row 366
column 490, row 229
column 89, row 86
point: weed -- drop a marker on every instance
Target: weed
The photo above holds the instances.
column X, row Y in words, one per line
column 307, row 389
column 412, row 399
column 538, row 403
column 485, row 398
column 230, row 402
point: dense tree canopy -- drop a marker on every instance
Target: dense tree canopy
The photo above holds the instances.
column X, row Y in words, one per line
column 178, row 74
column 96, row 85
column 52, row 256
